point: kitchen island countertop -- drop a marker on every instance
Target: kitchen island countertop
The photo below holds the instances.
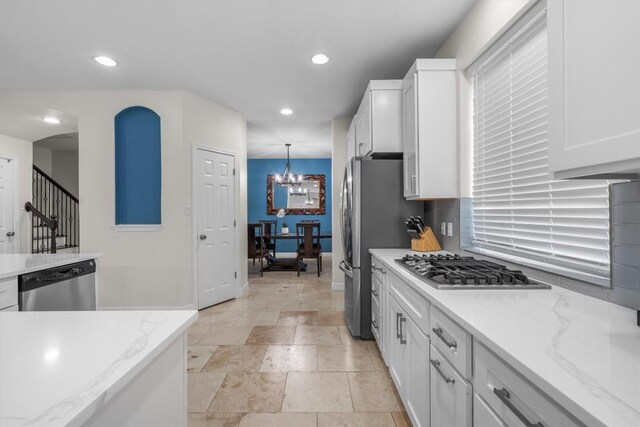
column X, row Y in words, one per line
column 60, row 368
column 581, row 351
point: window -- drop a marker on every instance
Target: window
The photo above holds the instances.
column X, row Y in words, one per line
column 516, row 209
column 138, row 167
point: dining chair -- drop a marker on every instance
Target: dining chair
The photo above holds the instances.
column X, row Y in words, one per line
column 308, row 243
column 271, row 230
column 256, row 246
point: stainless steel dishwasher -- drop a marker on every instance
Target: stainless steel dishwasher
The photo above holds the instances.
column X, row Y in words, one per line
column 69, row 287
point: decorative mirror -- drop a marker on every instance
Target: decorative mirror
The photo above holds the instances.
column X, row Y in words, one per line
column 306, row 198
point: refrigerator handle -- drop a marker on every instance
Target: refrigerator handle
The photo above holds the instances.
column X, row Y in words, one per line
column 345, row 267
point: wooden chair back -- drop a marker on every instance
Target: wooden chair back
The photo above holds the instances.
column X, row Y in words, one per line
column 255, row 239
column 308, row 237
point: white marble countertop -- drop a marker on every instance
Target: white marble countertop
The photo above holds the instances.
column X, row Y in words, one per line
column 581, row 351
column 59, row 368
column 16, row 264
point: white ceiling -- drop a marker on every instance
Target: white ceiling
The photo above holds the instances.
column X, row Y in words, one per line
column 25, row 122
column 252, row 55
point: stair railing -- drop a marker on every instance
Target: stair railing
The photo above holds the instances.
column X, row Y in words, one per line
column 53, row 200
column 50, row 223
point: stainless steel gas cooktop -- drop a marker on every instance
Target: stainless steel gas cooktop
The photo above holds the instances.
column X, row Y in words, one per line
column 457, row 272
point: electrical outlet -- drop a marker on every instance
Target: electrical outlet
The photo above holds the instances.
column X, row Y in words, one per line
column 187, row 211
column 450, row 229
column 443, row 228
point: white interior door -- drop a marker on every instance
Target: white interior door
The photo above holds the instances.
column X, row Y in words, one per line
column 215, row 204
column 7, row 219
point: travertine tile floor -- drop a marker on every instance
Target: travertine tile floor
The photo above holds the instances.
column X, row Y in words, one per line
column 281, row 356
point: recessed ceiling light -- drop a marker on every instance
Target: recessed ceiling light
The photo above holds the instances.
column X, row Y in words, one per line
column 286, row 111
column 320, row 59
column 106, row 61
column 52, row 120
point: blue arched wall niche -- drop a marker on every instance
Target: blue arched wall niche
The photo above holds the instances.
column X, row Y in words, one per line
column 138, row 166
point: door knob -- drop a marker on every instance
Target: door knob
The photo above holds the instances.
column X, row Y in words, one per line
column 11, row 234
column 203, row 237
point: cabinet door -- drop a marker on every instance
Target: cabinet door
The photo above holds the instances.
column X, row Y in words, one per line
column 483, row 416
column 409, row 140
column 351, row 140
column 416, row 397
column 450, row 394
column 594, row 101
column 396, row 348
column 363, row 127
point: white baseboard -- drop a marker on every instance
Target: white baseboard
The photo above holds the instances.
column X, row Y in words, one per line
column 243, row 289
column 337, row 286
column 147, row 308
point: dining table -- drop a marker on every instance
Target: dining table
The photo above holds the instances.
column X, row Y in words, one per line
column 287, row 264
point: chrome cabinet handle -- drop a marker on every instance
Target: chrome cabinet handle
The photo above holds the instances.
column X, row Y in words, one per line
column 373, row 291
column 203, row 237
column 375, row 325
column 436, row 365
column 402, row 340
column 398, row 316
column 440, row 333
column 503, row 395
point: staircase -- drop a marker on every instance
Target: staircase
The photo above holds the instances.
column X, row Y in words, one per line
column 55, row 224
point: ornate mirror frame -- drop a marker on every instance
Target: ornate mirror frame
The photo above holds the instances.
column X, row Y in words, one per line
column 272, row 210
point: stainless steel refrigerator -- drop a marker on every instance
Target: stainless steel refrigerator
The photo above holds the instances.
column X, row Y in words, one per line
column 373, row 211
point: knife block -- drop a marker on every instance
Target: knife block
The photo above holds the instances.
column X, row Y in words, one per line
column 426, row 243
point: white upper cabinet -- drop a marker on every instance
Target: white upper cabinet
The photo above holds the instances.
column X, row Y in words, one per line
column 378, row 123
column 430, row 146
column 594, row 88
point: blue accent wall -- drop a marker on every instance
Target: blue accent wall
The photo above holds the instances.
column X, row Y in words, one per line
column 138, row 166
column 257, row 171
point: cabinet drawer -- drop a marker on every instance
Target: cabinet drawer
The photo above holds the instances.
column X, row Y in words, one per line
column 376, row 288
column 8, row 292
column 452, row 341
column 376, row 320
column 483, row 416
column 450, row 394
column 376, row 269
column 414, row 305
column 512, row 397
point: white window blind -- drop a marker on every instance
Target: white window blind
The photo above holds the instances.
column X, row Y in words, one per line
column 516, row 208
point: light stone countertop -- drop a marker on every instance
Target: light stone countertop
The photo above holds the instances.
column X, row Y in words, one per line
column 581, row 351
column 60, row 368
column 16, row 264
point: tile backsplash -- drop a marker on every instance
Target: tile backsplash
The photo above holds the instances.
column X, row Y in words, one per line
column 625, row 244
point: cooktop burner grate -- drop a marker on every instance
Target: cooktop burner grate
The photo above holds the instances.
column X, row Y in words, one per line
column 458, row 272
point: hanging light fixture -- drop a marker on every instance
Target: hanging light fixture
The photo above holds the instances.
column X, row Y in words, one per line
column 288, row 178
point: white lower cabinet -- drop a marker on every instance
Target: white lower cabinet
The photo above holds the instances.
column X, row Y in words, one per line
column 395, row 347
column 450, row 394
column 416, row 355
column 483, row 416
column 409, row 365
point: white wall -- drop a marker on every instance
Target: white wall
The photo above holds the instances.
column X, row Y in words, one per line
column 339, row 128
column 138, row 269
column 42, row 159
column 65, row 169
column 20, row 151
column 482, row 26
column 211, row 125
